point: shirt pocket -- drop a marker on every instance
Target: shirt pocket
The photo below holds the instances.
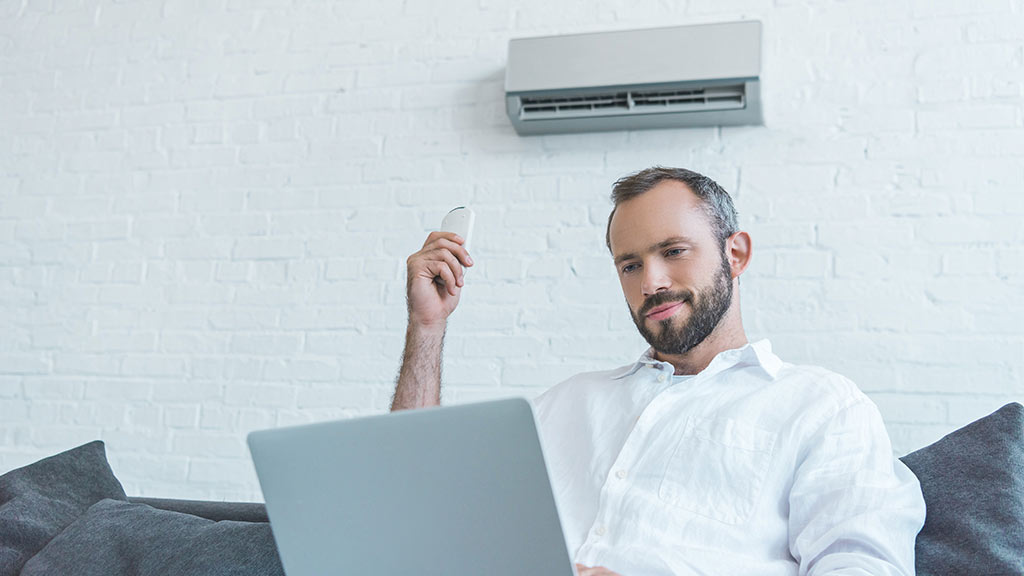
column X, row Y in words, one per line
column 718, row 468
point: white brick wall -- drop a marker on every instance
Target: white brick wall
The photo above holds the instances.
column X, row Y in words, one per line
column 205, row 208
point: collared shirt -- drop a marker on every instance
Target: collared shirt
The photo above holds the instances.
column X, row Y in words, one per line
column 753, row 466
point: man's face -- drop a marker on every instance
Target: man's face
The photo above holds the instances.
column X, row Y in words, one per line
column 673, row 271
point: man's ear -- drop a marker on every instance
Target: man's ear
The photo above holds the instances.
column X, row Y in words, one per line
column 738, row 250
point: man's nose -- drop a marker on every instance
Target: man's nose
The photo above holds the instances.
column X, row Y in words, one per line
column 655, row 279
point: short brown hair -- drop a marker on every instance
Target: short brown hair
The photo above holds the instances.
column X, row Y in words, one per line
column 717, row 203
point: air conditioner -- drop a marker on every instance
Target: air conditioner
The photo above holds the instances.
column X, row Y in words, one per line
column 682, row 76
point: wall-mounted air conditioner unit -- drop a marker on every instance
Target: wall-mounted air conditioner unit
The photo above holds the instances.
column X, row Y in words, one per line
column 705, row 75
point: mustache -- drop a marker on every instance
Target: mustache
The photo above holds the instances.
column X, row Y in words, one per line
column 661, row 298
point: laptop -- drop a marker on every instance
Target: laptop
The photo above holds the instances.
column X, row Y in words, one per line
column 451, row 491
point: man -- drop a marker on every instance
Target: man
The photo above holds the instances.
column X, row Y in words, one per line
column 709, row 455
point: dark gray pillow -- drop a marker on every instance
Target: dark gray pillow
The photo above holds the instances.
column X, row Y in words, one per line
column 216, row 511
column 973, row 484
column 41, row 499
column 119, row 538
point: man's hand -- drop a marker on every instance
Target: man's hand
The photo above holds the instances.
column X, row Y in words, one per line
column 435, row 279
column 432, row 289
column 598, row 571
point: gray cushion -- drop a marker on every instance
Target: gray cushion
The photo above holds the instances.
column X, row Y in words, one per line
column 38, row 501
column 124, row 538
column 973, row 485
column 216, row 511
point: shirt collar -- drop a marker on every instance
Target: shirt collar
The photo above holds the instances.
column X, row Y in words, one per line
column 757, row 354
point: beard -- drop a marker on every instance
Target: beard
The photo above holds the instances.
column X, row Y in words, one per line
column 708, row 306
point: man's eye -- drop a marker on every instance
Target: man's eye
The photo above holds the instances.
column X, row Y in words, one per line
column 629, row 268
column 674, row 252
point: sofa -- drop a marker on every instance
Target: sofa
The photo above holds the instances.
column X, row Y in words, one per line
column 68, row 514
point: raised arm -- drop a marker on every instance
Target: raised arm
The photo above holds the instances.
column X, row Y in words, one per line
column 433, row 287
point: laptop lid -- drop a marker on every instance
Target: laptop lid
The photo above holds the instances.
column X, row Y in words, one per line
column 452, row 491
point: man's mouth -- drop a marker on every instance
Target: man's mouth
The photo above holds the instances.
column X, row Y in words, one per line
column 664, row 311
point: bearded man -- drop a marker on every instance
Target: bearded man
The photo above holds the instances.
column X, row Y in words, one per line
column 709, row 454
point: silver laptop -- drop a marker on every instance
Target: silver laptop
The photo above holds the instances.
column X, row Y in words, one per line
column 453, row 491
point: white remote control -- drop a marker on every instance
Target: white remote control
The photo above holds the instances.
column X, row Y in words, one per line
column 459, row 220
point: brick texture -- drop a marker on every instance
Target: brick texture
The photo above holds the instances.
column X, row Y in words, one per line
column 205, row 208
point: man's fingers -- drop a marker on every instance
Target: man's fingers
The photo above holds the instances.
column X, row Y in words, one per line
column 452, row 246
column 458, row 250
column 435, row 260
column 438, row 234
column 452, row 263
column 445, row 272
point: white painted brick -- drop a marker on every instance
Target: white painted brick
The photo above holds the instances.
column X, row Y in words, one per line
column 10, row 387
column 162, row 468
column 973, row 117
column 14, row 411
column 265, row 344
column 253, row 419
column 243, row 368
column 301, row 370
column 594, row 267
column 92, row 414
column 548, row 268
column 343, row 269
column 207, row 443
column 219, row 471
column 206, row 368
column 477, row 373
column 383, row 269
column 501, row 269
column 234, row 229
column 27, row 230
column 170, row 113
column 261, row 296
column 344, row 344
column 336, row 396
column 217, row 418
column 273, row 153
column 268, row 248
column 53, row 388
column 964, row 229
column 126, row 341
column 153, row 366
column 24, row 363
column 265, row 395
column 55, row 439
column 271, row 272
column 346, row 293
column 320, row 82
column 803, row 264
column 503, row 346
column 88, row 364
column 133, row 390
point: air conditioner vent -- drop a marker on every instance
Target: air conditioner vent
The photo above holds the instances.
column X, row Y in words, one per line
column 632, row 102
column 654, row 78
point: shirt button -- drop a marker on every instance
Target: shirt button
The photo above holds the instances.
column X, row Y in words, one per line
column 661, row 377
column 620, row 474
column 599, row 530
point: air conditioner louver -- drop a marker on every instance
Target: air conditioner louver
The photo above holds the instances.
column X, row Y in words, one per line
column 632, row 102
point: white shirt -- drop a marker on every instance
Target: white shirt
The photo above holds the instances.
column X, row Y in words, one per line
column 754, row 466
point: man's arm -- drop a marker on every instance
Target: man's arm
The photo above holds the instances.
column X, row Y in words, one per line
column 854, row 508
column 419, row 378
column 433, row 287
